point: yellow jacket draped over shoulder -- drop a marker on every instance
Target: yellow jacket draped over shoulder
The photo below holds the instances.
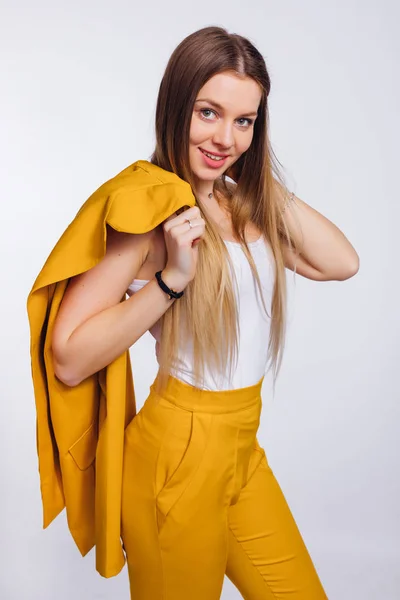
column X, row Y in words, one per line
column 80, row 430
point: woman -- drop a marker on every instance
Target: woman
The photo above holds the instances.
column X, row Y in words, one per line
column 198, row 497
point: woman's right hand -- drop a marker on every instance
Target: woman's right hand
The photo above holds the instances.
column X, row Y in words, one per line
column 182, row 242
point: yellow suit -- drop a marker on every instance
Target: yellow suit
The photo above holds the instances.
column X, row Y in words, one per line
column 80, row 430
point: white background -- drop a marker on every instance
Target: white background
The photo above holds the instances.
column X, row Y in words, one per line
column 79, row 86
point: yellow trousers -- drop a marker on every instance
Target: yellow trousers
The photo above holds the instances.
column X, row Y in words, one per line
column 200, row 500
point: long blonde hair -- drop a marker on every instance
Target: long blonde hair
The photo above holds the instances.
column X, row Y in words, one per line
column 207, row 313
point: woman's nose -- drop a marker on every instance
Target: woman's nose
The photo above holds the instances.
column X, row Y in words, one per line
column 223, row 135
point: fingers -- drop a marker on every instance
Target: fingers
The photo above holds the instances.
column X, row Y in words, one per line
column 175, row 219
column 184, row 236
column 181, row 228
column 177, row 226
column 178, row 212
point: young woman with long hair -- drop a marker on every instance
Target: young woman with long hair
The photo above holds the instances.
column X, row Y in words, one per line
column 199, row 499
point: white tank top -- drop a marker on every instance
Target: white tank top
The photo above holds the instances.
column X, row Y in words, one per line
column 254, row 323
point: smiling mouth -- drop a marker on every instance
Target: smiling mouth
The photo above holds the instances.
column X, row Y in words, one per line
column 216, row 157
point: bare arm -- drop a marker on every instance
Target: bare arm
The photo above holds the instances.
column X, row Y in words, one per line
column 325, row 252
column 93, row 326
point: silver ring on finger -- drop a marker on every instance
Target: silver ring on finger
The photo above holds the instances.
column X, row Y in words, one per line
column 190, row 223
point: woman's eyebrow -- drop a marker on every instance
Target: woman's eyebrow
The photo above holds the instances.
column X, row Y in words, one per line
column 219, row 107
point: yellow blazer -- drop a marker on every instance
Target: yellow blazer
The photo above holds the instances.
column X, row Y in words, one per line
column 80, row 430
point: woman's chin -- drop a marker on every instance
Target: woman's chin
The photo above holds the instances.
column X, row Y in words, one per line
column 207, row 174
column 201, row 176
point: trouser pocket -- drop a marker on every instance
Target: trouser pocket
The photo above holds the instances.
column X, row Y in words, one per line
column 179, row 458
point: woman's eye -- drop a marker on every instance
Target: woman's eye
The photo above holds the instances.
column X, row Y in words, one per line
column 244, row 122
column 206, row 113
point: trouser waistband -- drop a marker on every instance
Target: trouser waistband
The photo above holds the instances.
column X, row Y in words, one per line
column 192, row 398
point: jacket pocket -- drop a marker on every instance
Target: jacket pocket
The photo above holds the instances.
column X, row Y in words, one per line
column 83, row 451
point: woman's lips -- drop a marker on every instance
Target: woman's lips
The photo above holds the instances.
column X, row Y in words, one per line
column 214, row 164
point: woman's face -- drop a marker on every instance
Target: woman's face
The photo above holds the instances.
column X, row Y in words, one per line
column 222, row 124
